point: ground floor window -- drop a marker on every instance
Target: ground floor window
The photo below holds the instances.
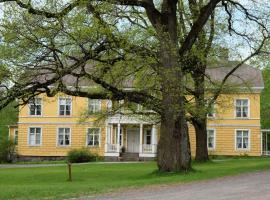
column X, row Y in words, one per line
column 16, row 137
column 211, row 138
column 34, row 137
column 93, row 137
column 242, row 139
column 64, row 138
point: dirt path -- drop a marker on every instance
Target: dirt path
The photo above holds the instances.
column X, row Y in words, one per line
column 252, row 186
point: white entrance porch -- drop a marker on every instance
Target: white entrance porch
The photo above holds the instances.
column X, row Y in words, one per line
column 131, row 138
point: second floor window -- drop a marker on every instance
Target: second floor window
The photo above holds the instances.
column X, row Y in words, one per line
column 65, row 106
column 63, row 136
column 35, row 107
column 34, row 137
column 242, row 108
column 211, row 111
column 94, row 105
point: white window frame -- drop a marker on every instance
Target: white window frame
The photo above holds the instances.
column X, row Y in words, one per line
column 235, row 110
column 57, row 138
column 99, row 137
column 214, row 145
column 28, row 137
column 68, row 97
column 14, row 137
column 235, row 138
column 41, row 107
column 98, row 103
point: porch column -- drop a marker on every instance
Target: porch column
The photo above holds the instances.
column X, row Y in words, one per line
column 118, row 136
column 107, row 137
column 154, row 138
column 111, row 134
column 141, row 138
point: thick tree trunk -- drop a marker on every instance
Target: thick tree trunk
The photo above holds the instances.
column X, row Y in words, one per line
column 201, row 139
column 173, row 148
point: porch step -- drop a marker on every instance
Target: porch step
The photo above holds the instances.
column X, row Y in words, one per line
column 129, row 156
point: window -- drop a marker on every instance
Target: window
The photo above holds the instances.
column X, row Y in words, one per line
column 148, row 136
column 16, row 137
column 242, row 108
column 34, row 138
column 94, row 105
column 93, row 135
column 65, row 106
column 211, row 111
column 211, row 138
column 63, row 136
column 242, row 139
column 35, row 107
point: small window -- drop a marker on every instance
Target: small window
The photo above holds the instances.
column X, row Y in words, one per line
column 242, row 139
column 242, row 108
column 211, row 111
column 94, row 105
column 16, row 137
column 63, row 136
column 148, row 137
column 65, row 106
column 211, row 138
column 93, row 136
column 35, row 107
column 34, row 136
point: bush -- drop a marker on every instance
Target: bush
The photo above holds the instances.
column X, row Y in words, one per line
column 81, row 156
column 7, row 150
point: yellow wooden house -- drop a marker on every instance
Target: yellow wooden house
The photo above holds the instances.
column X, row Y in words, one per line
column 49, row 127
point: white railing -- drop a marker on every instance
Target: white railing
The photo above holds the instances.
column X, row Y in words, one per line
column 266, row 153
column 149, row 148
column 112, row 147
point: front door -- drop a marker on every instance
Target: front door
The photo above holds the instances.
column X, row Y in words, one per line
column 133, row 140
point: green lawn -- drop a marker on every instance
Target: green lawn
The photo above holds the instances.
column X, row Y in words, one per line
column 50, row 182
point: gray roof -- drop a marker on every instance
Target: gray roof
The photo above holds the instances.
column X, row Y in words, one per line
column 244, row 76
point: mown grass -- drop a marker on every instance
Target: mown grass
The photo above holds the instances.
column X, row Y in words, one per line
column 88, row 179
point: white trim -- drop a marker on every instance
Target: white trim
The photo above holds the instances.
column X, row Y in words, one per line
column 59, row 123
column 57, row 137
column 248, row 114
column 235, row 125
column 71, row 102
column 108, row 154
column 214, row 145
column 99, row 137
column 28, row 133
column 235, row 140
column 147, row 155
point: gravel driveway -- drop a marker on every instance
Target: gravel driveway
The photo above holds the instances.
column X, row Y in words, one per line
column 252, row 186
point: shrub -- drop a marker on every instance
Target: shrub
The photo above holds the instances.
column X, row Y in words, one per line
column 81, row 156
column 7, row 150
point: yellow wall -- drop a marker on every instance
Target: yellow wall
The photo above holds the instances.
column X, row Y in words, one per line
column 224, row 123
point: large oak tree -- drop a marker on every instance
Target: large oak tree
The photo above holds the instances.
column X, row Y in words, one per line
column 122, row 39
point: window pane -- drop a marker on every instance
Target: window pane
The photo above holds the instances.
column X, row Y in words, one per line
column 239, row 143
column 245, row 102
column 245, row 143
column 38, row 139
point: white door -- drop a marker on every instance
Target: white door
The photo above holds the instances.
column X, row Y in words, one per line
column 133, row 140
